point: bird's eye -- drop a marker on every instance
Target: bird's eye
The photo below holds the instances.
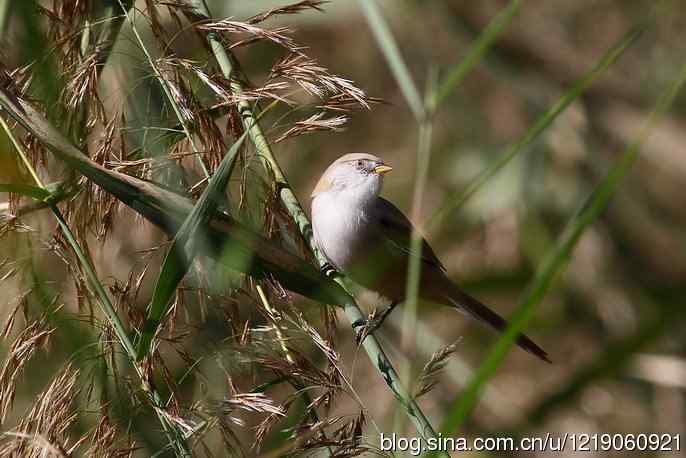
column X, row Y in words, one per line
column 360, row 164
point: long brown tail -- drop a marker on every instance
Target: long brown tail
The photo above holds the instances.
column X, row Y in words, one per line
column 475, row 309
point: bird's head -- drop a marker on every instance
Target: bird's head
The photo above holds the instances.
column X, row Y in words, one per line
column 354, row 173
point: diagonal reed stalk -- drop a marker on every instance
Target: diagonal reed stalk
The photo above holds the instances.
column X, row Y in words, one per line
column 481, row 45
column 226, row 61
column 391, row 52
column 558, row 256
column 404, row 79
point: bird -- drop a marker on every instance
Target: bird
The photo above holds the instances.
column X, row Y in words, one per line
column 368, row 239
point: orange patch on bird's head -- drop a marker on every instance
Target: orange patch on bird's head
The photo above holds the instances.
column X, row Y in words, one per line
column 323, row 185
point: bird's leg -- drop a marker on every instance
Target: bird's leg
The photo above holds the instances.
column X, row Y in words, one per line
column 372, row 323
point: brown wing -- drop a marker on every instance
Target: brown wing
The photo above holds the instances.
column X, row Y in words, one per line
column 397, row 231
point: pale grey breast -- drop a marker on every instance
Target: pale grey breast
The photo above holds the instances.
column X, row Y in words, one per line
column 339, row 230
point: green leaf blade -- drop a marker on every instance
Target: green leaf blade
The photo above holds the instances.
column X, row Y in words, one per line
column 184, row 248
column 482, row 44
column 25, row 190
column 391, row 52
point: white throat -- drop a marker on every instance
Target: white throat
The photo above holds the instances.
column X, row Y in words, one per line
column 340, row 217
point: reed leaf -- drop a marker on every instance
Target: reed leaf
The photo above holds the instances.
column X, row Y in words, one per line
column 25, row 190
column 390, row 50
column 168, row 210
column 476, row 52
column 187, row 241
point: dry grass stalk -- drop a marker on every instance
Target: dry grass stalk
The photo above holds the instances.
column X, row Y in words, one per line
column 81, row 89
column 21, row 304
column 105, row 438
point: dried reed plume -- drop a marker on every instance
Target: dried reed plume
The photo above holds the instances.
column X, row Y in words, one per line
column 45, row 428
column 34, row 337
column 316, row 79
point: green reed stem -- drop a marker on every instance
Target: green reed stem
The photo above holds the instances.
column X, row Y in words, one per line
column 289, row 200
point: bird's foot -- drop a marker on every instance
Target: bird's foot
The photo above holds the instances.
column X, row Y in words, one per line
column 328, row 270
column 372, row 323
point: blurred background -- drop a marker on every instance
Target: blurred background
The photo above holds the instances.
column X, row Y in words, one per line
column 612, row 323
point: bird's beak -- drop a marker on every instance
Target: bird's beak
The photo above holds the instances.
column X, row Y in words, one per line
column 381, row 169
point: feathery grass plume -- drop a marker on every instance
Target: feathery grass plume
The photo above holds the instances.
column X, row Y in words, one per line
column 177, row 86
column 349, row 438
column 45, row 428
column 316, row 80
column 345, row 438
column 428, row 378
column 332, row 383
column 260, row 351
column 203, row 125
column 152, row 15
column 81, row 88
column 252, row 402
column 105, row 205
column 10, row 216
column 293, row 8
column 315, row 123
column 34, row 337
column 105, row 440
column 92, row 209
column 22, row 305
column 277, row 36
column 64, row 24
column 59, row 247
column 249, row 402
column 344, row 103
column 194, row 68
